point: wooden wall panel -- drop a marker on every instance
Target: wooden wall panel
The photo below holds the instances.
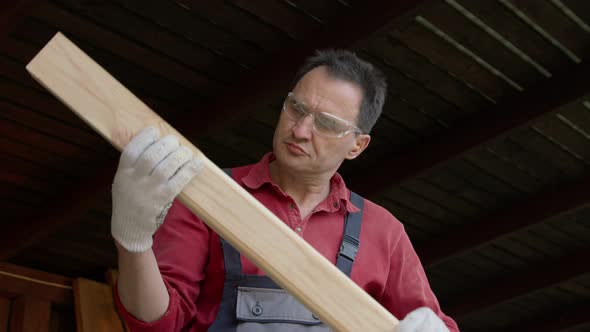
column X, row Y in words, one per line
column 4, row 313
column 20, row 281
column 30, row 314
column 95, row 307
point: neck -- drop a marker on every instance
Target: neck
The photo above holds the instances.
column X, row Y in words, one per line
column 308, row 190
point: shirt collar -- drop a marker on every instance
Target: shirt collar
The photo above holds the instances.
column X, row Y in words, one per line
column 259, row 174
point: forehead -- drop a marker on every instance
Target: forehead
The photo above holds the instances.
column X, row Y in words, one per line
column 320, row 90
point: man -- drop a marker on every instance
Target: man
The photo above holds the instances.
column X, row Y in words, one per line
column 191, row 280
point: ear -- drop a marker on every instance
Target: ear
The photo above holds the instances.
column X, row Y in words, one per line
column 361, row 142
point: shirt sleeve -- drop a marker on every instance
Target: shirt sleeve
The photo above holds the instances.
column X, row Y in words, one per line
column 175, row 244
column 407, row 287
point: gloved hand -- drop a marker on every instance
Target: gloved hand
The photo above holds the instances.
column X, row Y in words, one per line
column 151, row 173
column 422, row 320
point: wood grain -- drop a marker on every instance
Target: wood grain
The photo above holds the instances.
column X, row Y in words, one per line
column 115, row 113
column 30, row 314
column 95, row 307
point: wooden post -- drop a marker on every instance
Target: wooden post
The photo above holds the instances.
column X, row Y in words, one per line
column 115, row 113
column 4, row 313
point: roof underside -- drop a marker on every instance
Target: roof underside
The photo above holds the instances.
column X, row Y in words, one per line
column 482, row 150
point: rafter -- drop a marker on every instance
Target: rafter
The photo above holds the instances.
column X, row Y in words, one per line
column 481, row 127
column 535, row 210
column 567, row 319
column 68, row 205
column 542, row 275
column 264, row 83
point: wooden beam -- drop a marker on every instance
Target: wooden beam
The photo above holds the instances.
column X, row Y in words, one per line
column 567, row 318
column 18, row 281
column 95, row 307
column 226, row 207
column 542, row 275
column 537, row 209
column 68, row 205
column 266, row 82
column 30, row 314
column 479, row 128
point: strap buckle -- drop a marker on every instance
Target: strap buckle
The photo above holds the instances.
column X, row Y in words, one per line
column 349, row 247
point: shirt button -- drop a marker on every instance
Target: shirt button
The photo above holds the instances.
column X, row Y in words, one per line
column 298, row 229
column 335, row 204
column 291, row 206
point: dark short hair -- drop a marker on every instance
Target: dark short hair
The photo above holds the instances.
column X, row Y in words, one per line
column 347, row 66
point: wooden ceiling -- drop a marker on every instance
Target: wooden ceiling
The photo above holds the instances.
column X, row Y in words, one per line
column 482, row 152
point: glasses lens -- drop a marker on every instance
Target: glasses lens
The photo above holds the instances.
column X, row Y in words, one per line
column 328, row 125
column 294, row 109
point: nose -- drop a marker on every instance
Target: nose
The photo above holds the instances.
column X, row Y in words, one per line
column 302, row 128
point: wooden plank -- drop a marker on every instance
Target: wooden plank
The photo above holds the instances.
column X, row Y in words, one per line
column 142, row 31
column 111, row 276
column 416, row 94
column 144, row 57
column 556, row 24
column 425, row 42
column 551, row 152
column 517, row 32
column 565, row 135
column 422, row 69
column 460, row 187
column 82, row 85
column 435, row 210
column 198, row 31
column 469, row 35
column 95, row 307
column 281, row 16
column 552, row 202
column 238, row 22
column 38, row 156
column 525, row 160
column 5, row 304
column 579, row 114
column 434, row 193
column 502, row 170
column 30, row 314
column 17, row 280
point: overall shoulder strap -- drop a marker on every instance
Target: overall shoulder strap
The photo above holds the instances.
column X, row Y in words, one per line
column 350, row 241
column 227, row 171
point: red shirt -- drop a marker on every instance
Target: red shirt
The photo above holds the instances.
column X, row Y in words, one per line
column 190, row 258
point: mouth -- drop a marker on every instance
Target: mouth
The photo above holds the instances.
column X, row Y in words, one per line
column 295, row 148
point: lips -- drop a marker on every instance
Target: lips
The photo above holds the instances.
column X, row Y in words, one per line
column 296, row 148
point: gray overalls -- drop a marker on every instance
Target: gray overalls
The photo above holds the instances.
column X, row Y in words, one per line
column 256, row 303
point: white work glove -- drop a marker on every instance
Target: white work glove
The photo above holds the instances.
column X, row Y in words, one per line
column 422, row 320
column 151, row 173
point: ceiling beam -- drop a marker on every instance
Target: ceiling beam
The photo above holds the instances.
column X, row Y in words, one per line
column 537, row 209
column 275, row 78
column 568, row 318
column 481, row 127
column 68, row 205
column 542, row 275
column 72, row 203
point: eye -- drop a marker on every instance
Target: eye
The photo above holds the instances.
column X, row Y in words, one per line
column 298, row 107
column 326, row 122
